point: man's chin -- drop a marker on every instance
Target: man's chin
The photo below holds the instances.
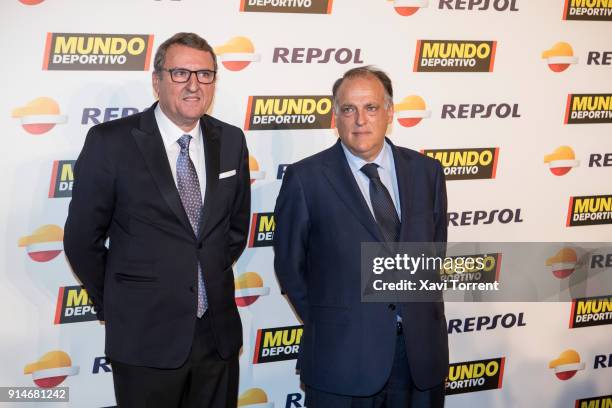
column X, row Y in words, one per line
column 193, row 115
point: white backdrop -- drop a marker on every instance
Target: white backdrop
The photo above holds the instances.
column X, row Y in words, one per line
column 360, row 32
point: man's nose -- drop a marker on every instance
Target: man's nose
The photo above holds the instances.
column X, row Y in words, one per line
column 360, row 117
column 193, row 83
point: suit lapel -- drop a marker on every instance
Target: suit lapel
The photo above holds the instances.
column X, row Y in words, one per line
column 405, row 177
column 343, row 182
column 149, row 141
column 212, row 149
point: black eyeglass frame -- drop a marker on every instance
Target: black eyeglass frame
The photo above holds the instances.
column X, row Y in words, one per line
column 171, row 71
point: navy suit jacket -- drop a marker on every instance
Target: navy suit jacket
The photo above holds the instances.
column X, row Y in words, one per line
column 321, row 220
column 145, row 284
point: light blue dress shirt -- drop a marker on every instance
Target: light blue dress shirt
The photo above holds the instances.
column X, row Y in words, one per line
column 386, row 170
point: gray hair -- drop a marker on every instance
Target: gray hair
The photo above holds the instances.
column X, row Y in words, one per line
column 190, row 40
column 367, row 70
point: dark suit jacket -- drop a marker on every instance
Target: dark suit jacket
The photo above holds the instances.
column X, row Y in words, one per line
column 321, row 219
column 145, row 284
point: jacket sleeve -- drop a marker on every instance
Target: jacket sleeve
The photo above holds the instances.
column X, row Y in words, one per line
column 440, row 206
column 291, row 241
column 241, row 208
column 89, row 217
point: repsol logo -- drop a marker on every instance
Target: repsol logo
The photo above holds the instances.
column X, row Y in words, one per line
column 454, row 56
column 486, row 270
column 600, row 160
column 73, row 306
column 472, row 111
column 101, row 364
column 295, row 400
column 588, row 108
column 262, row 230
column 604, row 401
column 287, row 6
column 98, row 52
column 594, row 10
column 589, row 210
column 478, row 323
column 94, row 116
column 466, row 164
column 599, row 58
column 504, row 216
column 600, row 261
column 62, row 178
column 289, row 112
column 277, row 344
column 602, row 361
column 591, row 311
column 316, row 55
column 497, row 5
column 472, row 376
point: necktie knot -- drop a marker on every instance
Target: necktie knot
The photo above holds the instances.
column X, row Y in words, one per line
column 382, row 204
column 371, row 170
column 183, row 142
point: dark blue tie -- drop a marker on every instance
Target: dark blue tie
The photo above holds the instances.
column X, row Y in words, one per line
column 382, row 204
column 191, row 197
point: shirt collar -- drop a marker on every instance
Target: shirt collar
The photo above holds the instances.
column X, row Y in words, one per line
column 356, row 163
column 170, row 132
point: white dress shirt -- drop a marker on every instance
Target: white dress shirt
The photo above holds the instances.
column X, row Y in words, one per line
column 170, row 134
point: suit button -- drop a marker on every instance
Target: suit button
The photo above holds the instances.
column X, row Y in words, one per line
column 200, row 245
column 192, row 289
column 391, row 306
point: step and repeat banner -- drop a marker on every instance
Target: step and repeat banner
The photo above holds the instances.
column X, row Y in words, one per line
column 513, row 97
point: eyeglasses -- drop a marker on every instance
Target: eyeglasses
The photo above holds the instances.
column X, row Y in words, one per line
column 182, row 75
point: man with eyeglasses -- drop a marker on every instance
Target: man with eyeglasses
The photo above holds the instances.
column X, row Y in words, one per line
column 169, row 188
column 355, row 354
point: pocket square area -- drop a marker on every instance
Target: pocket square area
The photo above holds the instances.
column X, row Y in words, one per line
column 226, row 174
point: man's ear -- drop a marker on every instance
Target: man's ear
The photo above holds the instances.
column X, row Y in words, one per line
column 390, row 113
column 155, row 78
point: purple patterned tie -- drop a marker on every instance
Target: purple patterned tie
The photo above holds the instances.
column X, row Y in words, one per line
column 191, row 197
